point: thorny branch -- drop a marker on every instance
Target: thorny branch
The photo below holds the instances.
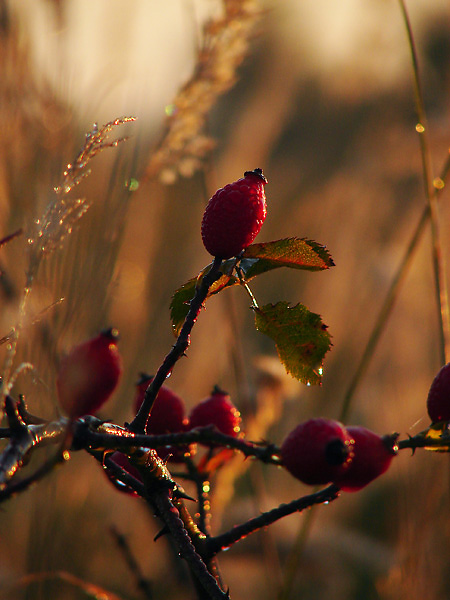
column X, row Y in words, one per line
column 107, row 435
column 25, row 433
column 181, row 345
column 221, row 542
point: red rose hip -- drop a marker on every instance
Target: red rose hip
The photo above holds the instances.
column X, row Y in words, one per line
column 234, row 215
column 438, row 401
column 316, row 451
column 217, row 410
column 372, row 457
column 89, row 374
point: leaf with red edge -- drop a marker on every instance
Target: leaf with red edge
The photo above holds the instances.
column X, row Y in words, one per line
column 301, row 338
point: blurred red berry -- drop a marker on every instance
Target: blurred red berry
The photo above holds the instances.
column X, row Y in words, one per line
column 168, row 415
column 89, row 374
column 123, row 461
column 234, row 215
column 217, row 410
column 316, row 451
column 372, row 456
column 438, row 401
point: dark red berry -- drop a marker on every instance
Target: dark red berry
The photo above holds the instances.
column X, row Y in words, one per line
column 372, row 456
column 168, row 415
column 438, row 401
column 316, row 451
column 217, row 410
column 89, row 374
column 234, row 215
column 123, row 461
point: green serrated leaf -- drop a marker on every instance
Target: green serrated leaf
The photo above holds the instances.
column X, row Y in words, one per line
column 301, row 338
column 294, row 253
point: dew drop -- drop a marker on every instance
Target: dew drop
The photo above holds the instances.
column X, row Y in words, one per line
column 438, row 183
column 420, row 128
column 132, row 184
column 170, row 110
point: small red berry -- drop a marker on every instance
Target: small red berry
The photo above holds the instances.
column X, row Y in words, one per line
column 89, row 374
column 234, row 215
column 217, row 410
column 316, row 451
column 438, row 401
column 372, row 456
column 168, row 415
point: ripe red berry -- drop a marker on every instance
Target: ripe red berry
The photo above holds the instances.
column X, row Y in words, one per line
column 217, row 410
column 316, row 451
column 234, row 215
column 438, row 401
column 168, row 415
column 89, row 374
column 372, row 456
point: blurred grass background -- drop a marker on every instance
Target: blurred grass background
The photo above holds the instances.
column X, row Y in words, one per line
column 323, row 103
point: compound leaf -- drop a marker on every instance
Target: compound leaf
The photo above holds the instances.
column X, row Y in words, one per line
column 301, row 338
column 294, row 253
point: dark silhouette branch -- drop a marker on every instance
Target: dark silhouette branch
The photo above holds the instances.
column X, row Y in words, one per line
column 181, row 345
column 225, row 540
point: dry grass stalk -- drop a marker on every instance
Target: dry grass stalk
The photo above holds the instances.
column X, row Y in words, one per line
column 57, row 223
column 62, row 213
column 225, row 45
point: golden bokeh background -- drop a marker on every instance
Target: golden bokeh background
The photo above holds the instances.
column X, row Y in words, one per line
column 320, row 96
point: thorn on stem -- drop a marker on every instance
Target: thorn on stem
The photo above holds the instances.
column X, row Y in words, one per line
column 164, row 531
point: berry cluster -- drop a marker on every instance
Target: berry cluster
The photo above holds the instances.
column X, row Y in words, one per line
column 321, row 451
column 316, row 452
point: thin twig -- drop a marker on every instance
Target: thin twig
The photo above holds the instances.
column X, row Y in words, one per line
column 142, row 582
column 181, row 345
column 431, row 195
column 389, row 301
column 10, row 237
column 225, row 540
column 98, row 435
column 171, row 518
column 91, row 590
column 19, row 486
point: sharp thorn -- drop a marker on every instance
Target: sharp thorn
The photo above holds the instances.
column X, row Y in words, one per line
column 164, row 531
